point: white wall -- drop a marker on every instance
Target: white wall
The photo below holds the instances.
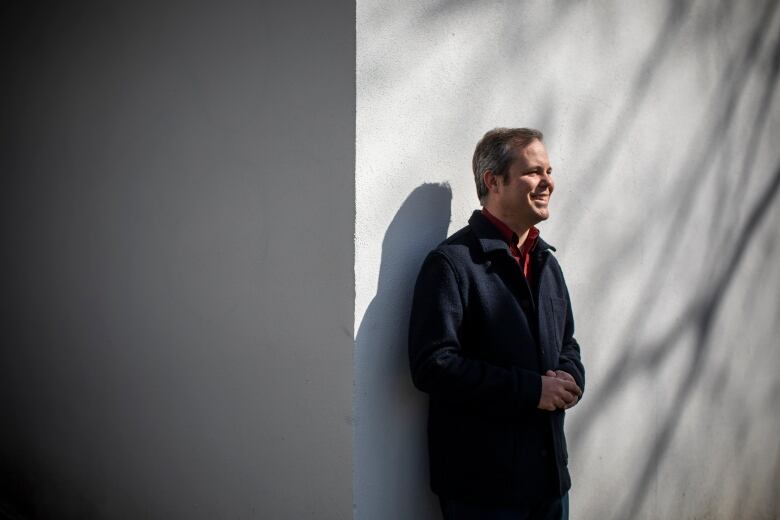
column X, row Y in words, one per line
column 662, row 123
column 177, row 252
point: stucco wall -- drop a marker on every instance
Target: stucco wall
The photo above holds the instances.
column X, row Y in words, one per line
column 177, row 237
column 662, row 123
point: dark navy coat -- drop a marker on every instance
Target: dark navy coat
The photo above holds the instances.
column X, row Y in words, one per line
column 479, row 340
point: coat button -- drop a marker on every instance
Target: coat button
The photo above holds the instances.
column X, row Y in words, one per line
column 525, row 304
column 544, row 453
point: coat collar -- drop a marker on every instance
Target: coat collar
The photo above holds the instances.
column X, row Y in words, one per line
column 490, row 238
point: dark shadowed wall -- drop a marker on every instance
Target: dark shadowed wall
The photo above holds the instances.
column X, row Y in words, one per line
column 177, row 260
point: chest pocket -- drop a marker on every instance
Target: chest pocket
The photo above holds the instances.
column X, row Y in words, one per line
column 557, row 319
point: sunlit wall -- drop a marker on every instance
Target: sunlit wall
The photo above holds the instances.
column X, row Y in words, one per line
column 662, row 123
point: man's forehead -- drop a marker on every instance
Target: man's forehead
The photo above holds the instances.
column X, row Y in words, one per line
column 534, row 153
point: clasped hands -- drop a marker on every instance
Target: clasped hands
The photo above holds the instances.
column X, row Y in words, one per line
column 559, row 390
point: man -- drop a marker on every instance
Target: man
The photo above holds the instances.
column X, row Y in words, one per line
column 491, row 341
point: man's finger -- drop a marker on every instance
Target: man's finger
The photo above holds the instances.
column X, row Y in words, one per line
column 571, row 387
column 562, row 374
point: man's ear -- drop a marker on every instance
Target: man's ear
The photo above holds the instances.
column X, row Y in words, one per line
column 490, row 180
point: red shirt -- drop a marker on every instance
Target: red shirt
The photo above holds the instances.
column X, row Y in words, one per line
column 520, row 254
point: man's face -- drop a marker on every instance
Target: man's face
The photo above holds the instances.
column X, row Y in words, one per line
column 525, row 192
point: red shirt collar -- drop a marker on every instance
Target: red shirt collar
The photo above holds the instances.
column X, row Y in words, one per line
column 509, row 236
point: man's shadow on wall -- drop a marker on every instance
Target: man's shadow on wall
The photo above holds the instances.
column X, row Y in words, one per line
column 391, row 468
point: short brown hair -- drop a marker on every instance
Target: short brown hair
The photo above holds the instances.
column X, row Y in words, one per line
column 496, row 151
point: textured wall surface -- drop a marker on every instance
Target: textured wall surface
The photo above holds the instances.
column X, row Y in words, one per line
column 177, row 251
column 662, row 123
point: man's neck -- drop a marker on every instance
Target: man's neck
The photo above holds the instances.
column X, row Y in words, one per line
column 514, row 223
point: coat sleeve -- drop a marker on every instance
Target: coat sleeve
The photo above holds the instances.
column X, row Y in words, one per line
column 569, row 359
column 436, row 357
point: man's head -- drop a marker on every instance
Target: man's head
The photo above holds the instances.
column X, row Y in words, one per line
column 512, row 174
